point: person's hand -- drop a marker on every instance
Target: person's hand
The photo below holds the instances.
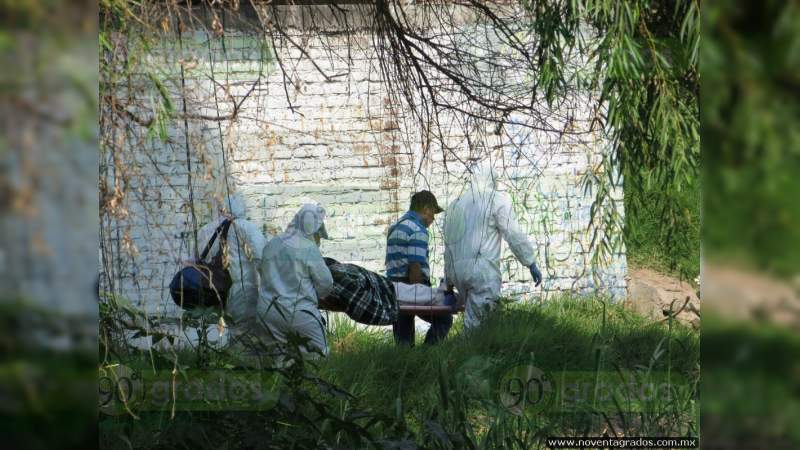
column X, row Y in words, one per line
column 536, row 274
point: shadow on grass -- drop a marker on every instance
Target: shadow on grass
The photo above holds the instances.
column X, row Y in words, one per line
column 570, row 335
column 751, row 385
column 371, row 394
column 47, row 378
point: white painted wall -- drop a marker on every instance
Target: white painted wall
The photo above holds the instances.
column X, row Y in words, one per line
column 348, row 145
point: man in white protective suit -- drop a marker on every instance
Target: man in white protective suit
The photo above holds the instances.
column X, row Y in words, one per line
column 474, row 226
column 293, row 279
column 243, row 255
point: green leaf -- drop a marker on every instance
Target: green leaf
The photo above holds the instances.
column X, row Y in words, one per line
column 162, row 90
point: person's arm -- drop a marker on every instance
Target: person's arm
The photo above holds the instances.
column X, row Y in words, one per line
column 320, row 274
column 417, row 255
column 511, row 231
column 415, row 273
column 255, row 241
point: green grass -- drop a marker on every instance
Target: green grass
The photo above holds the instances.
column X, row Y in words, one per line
column 645, row 240
column 44, row 388
column 370, row 393
column 570, row 334
column 751, row 384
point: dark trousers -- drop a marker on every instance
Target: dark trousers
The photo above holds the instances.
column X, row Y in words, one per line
column 404, row 328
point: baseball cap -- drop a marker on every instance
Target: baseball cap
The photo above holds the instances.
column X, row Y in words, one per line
column 425, row 198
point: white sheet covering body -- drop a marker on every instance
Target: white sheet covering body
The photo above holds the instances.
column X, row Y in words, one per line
column 418, row 294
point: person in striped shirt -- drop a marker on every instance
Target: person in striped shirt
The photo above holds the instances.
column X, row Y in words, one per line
column 407, row 262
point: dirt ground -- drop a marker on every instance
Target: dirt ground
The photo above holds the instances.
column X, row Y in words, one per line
column 657, row 296
column 730, row 292
column 746, row 295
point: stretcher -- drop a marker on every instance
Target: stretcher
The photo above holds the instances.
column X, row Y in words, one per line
column 417, row 310
column 434, row 310
column 419, row 299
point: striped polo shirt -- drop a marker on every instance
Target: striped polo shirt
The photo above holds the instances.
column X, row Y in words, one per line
column 407, row 243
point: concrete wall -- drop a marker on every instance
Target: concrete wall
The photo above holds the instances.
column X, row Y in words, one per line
column 344, row 142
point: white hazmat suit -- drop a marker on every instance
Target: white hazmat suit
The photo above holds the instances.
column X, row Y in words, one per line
column 245, row 243
column 474, row 226
column 293, row 278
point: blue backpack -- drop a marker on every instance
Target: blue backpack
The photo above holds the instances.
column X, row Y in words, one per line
column 204, row 285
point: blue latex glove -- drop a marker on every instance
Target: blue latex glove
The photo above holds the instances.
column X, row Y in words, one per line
column 536, row 274
column 451, row 301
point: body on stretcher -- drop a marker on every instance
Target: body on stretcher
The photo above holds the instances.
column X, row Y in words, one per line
column 418, row 299
column 413, row 299
column 417, row 310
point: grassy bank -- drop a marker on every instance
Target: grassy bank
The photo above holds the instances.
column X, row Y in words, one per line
column 563, row 336
column 371, row 394
column 751, row 386
column 646, row 241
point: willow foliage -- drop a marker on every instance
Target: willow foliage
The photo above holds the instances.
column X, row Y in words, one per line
column 644, row 56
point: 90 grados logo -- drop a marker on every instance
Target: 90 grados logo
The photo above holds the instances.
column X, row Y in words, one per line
column 525, row 389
